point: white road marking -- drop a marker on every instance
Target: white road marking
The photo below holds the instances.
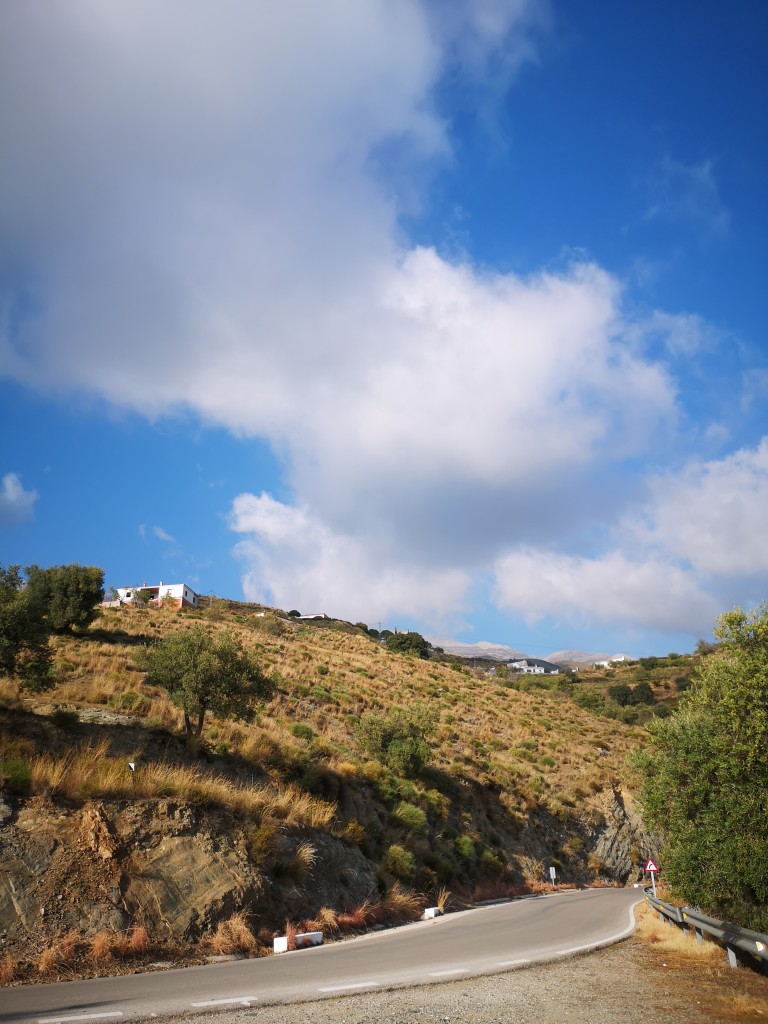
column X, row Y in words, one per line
column 511, row 963
column 243, row 1000
column 343, row 988
column 445, row 974
column 83, row 1016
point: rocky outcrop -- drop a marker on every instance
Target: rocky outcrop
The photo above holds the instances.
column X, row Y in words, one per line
column 621, row 842
column 175, row 868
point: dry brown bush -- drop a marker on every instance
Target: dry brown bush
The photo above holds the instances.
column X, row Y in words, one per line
column 102, row 946
column 233, row 936
column 7, row 970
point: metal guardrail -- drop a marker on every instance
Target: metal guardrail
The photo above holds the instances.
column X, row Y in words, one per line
column 753, row 944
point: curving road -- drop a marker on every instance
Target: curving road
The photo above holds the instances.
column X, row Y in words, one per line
column 481, row 941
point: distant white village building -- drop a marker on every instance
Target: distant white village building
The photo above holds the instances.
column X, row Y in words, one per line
column 534, row 667
column 182, row 594
column 611, row 661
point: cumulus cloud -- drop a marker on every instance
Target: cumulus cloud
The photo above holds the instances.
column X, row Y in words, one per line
column 691, row 550
column 650, row 592
column 292, row 558
column 201, row 210
column 16, row 505
column 712, row 515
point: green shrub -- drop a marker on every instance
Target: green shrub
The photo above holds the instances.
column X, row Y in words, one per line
column 399, row 739
column 16, row 774
column 130, row 700
column 464, row 846
column 399, row 862
column 322, row 670
column 410, row 817
column 303, row 731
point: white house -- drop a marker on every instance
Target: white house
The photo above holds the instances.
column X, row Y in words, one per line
column 183, row 595
column 534, row 667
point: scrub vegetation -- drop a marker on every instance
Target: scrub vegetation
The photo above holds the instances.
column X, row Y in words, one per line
column 440, row 776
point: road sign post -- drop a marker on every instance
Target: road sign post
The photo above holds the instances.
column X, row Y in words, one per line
column 651, row 868
column 552, row 875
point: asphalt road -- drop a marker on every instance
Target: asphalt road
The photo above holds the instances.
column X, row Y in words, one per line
column 486, row 940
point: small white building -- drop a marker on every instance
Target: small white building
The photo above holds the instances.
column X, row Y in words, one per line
column 534, row 667
column 183, row 596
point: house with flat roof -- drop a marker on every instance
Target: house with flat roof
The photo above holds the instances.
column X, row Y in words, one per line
column 180, row 593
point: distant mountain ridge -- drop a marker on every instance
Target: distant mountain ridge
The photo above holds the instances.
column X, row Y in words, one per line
column 500, row 652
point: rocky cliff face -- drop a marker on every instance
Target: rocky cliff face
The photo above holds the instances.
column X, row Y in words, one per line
column 176, row 869
column 179, row 869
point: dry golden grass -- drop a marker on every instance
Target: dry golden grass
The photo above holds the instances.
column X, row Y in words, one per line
column 102, row 946
column 672, row 939
column 233, row 936
column 89, row 772
column 59, row 954
column 7, row 970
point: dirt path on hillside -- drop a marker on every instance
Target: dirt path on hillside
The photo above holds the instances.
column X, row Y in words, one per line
column 625, row 984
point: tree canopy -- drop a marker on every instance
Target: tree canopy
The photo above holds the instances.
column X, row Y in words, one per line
column 68, row 595
column 205, row 671
column 408, row 643
column 705, row 777
column 24, row 651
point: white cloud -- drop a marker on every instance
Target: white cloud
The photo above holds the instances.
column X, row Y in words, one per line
column 652, row 592
column 200, row 211
column 16, row 505
column 694, row 548
column 162, row 535
column 293, row 559
column 712, row 515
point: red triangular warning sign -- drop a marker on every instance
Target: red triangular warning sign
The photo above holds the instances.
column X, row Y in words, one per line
column 650, row 866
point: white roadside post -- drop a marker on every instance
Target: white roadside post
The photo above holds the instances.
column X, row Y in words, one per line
column 552, row 875
column 651, row 868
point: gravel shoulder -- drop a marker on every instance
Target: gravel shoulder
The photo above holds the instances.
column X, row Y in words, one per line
column 629, row 982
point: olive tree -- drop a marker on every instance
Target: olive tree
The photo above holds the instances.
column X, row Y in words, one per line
column 24, row 651
column 207, row 671
column 67, row 595
column 705, row 777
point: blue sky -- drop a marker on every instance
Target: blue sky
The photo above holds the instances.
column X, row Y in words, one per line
column 439, row 316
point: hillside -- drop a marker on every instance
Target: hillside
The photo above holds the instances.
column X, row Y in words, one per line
column 287, row 817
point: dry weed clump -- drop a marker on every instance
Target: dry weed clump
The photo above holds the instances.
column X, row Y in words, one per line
column 7, row 970
column 233, row 936
column 59, row 954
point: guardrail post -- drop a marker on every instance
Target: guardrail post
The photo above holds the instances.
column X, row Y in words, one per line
column 699, row 934
column 733, row 962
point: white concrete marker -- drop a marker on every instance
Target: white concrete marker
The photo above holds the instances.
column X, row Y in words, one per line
column 346, row 988
column 242, row 1000
column 82, row 1016
column 446, row 974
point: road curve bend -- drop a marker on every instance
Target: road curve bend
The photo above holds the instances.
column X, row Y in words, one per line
column 485, row 940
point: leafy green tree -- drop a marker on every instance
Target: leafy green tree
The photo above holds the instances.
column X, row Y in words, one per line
column 642, row 694
column 24, row 651
column 409, row 643
column 621, row 693
column 70, row 594
column 205, row 671
column 705, row 777
column 399, row 739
